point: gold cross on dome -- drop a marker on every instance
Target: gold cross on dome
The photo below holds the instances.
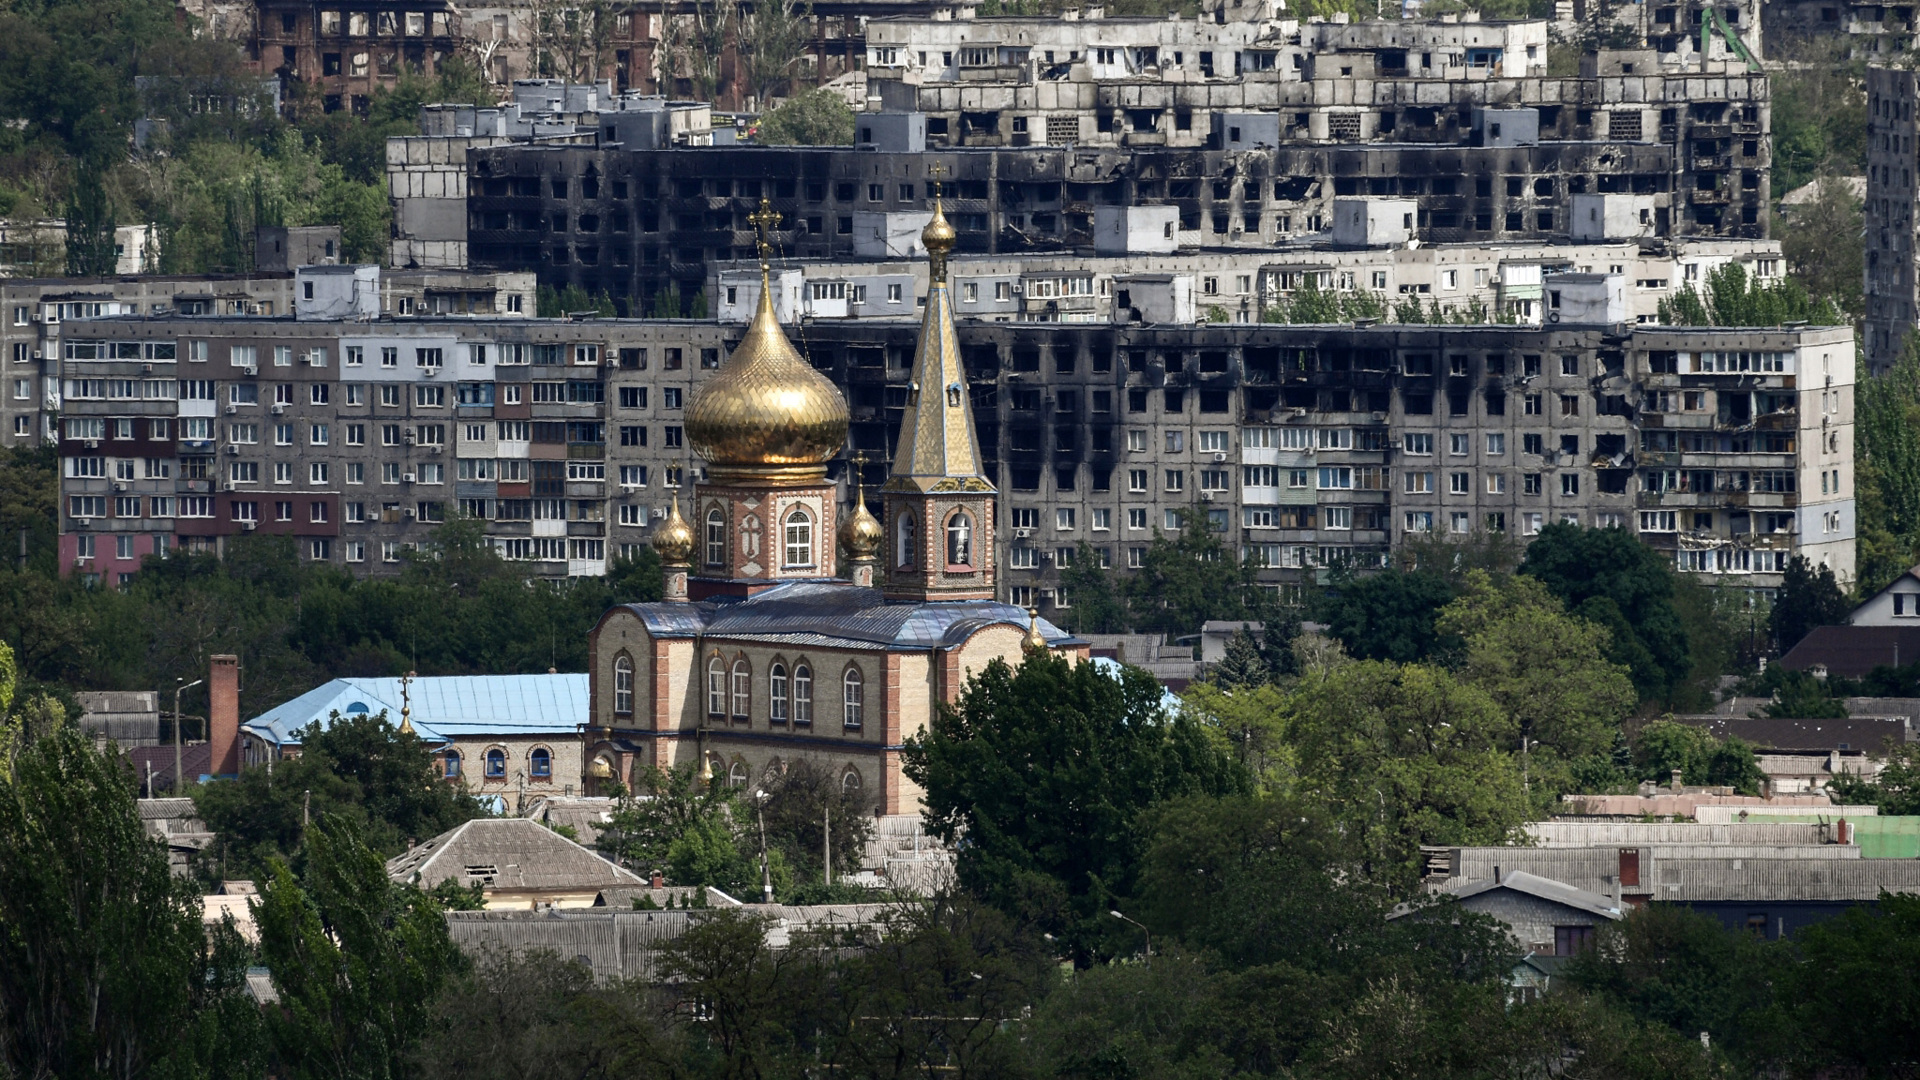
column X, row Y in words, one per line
column 936, row 171
column 764, row 219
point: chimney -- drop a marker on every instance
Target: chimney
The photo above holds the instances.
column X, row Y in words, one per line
column 1496, row 875
column 659, row 880
column 223, row 715
column 1677, row 785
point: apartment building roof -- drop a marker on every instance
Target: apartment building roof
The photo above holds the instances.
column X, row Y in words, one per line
column 442, row 708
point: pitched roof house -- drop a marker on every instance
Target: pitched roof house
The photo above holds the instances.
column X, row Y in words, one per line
column 517, row 863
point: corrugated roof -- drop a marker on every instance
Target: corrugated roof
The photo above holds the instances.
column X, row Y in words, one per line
column 517, row 854
column 443, row 707
column 1870, row 734
column 1558, row 892
column 840, row 614
column 1830, row 873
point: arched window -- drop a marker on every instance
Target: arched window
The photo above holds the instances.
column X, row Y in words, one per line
column 953, row 395
column 496, row 764
column 960, row 540
column 453, row 764
column 540, row 763
column 799, row 539
column 903, row 527
column 803, row 695
column 716, row 688
column 777, row 693
column 742, row 689
column 623, row 684
column 850, row 781
column 716, row 537
column 852, row 698
column 737, row 776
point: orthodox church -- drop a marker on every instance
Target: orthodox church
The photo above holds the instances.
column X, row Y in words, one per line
column 762, row 652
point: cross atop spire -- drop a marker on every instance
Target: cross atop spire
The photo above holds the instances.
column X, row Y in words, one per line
column 935, row 171
column 763, row 220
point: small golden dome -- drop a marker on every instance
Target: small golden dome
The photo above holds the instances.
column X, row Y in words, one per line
column 861, row 534
column 938, row 237
column 767, row 415
column 600, row 768
column 674, row 541
column 1035, row 640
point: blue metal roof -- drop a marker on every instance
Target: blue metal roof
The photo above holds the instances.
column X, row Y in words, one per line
column 850, row 615
column 443, row 708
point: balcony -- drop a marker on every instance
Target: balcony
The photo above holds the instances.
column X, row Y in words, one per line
column 585, row 451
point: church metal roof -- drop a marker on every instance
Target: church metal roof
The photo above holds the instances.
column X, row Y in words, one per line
column 837, row 614
column 443, row 707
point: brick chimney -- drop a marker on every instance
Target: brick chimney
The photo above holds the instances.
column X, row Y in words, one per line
column 223, row 715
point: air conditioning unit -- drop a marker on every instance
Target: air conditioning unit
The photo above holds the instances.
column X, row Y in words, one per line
column 232, row 450
column 1023, row 533
column 431, row 372
column 37, row 355
column 1219, row 457
column 411, row 437
column 93, row 444
column 226, row 485
column 250, row 369
column 409, row 510
column 146, row 369
column 231, row 409
column 279, row 408
column 660, row 512
column 248, row 525
column 119, row 485
column 83, row 523
column 407, row 478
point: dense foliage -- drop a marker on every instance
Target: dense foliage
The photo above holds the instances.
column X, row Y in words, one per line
column 454, row 608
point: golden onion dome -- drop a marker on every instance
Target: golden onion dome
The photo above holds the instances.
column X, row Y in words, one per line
column 938, row 237
column 1035, row 640
column 600, row 768
column 861, row 534
column 674, row 541
column 767, row 416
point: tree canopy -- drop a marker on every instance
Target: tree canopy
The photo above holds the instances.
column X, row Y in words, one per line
column 1611, row 579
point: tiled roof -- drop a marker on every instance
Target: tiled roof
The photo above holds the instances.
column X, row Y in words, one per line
column 840, row 614
column 443, row 708
column 510, row 853
column 1853, row 651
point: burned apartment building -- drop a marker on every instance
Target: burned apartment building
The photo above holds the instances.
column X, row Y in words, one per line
column 356, row 433
column 346, row 52
column 1499, row 281
column 1892, row 292
column 635, row 224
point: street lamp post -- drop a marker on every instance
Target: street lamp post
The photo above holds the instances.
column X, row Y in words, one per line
column 1143, row 930
column 179, row 768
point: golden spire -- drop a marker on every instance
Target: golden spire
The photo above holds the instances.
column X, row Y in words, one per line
column 406, row 704
column 938, row 236
column 938, row 448
column 767, row 416
column 1035, row 641
column 861, row 534
column 674, row 541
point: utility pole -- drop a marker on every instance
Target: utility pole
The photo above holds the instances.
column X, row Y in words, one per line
column 766, row 872
column 179, row 769
column 306, row 808
column 827, row 838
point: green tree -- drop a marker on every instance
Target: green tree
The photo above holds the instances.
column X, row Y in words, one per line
column 1808, row 598
column 1388, row 615
column 1098, row 604
column 1856, row 988
column 1896, row 790
column 1887, row 470
column 1409, row 755
column 1806, row 235
column 1189, row 578
column 817, row 117
column 543, row 1016
column 356, row 959
column 1732, row 298
column 1254, row 719
column 688, row 827
column 105, row 968
column 1610, row 578
column 359, row 767
column 800, row 804
column 1546, row 670
column 1243, row 666
column 1045, row 770
column 1663, row 746
column 90, row 224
